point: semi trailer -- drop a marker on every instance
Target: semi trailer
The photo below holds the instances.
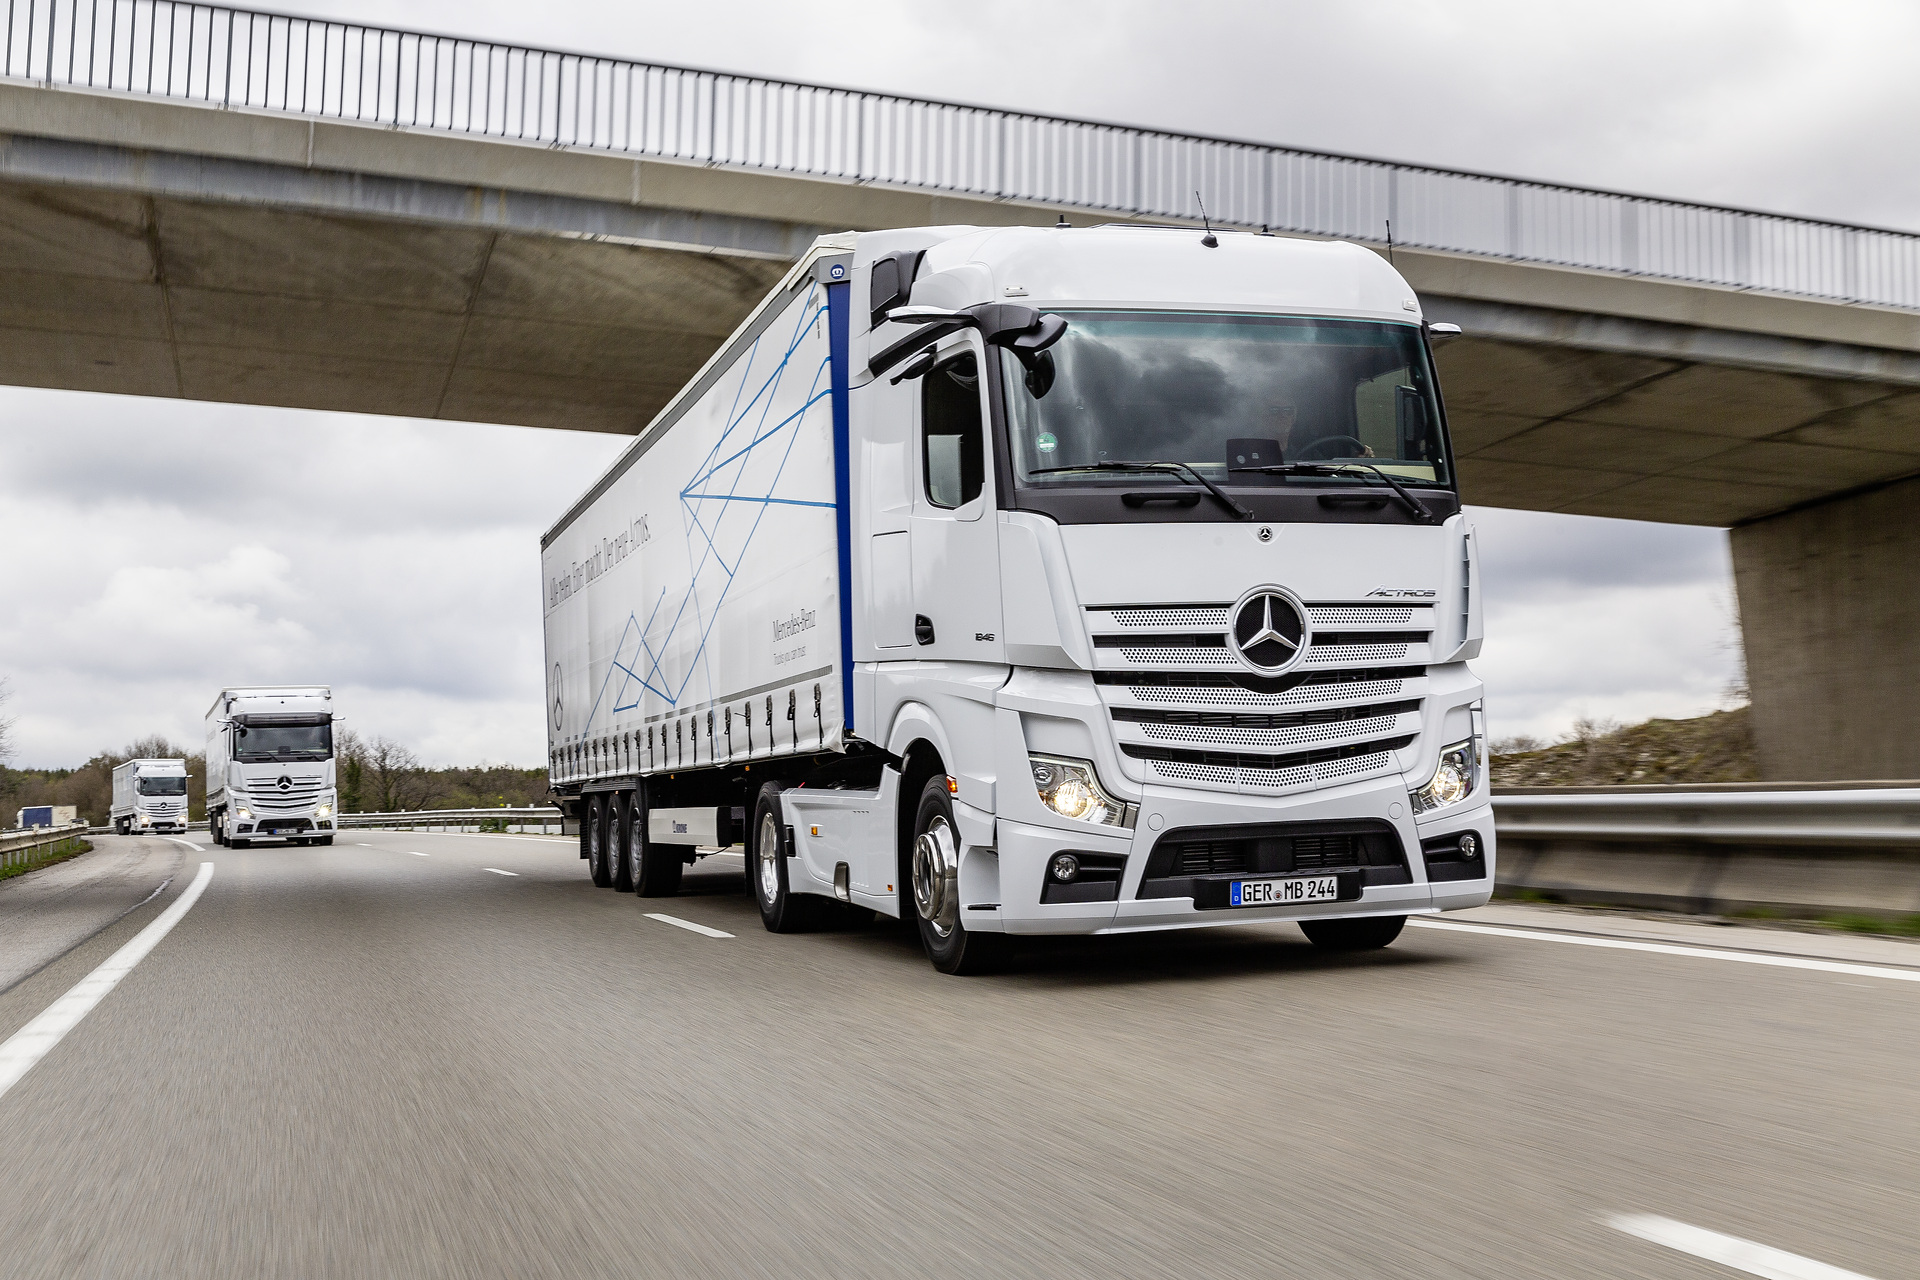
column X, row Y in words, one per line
column 149, row 796
column 47, row 815
column 270, row 765
column 1019, row 581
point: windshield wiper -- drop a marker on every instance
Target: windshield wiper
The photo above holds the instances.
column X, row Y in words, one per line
column 1165, row 468
column 1416, row 508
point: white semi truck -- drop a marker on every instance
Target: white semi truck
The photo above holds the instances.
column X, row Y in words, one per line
column 270, row 767
column 1039, row 581
column 149, row 796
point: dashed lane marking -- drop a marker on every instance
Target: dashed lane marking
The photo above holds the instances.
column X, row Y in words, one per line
column 677, row 922
column 190, row 844
column 1667, row 949
column 32, row 1042
column 1728, row 1251
column 497, row 871
column 416, row 853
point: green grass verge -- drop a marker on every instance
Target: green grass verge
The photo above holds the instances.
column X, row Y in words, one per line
column 1897, row 926
column 72, row 847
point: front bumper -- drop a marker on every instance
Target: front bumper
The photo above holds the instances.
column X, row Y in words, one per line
column 1024, row 850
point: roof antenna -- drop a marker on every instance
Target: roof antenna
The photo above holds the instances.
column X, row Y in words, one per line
column 1390, row 244
column 1063, row 224
column 1210, row 240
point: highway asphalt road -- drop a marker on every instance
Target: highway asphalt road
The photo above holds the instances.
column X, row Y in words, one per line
column 387, row 1058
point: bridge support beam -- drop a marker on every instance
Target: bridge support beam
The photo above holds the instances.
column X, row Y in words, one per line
column 1830, row 610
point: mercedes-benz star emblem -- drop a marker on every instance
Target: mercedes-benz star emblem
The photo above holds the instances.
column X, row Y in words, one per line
column 285, row 783
column 1268, row 630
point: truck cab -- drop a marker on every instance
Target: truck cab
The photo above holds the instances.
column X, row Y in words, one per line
column 150, row 796
column 270, row 766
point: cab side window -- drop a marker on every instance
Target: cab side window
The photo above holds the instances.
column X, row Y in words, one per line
column 953, row 438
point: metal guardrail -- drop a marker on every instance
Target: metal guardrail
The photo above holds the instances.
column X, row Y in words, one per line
column 18, row 848
column 1858, row 817
column 319, row 68
column 545, row 819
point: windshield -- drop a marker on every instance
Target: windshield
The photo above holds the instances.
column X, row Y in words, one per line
column 1220, row 391
column 163, row 786
column 282, row 741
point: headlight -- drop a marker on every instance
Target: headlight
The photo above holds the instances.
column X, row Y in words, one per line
column 1454, row 777
column 325, row 811
column 243, row 811
column 1071, row 789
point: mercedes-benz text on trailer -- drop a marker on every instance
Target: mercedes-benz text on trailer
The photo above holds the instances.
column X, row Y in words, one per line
column 270, row 765
column 1024, row 581
column 149, row 795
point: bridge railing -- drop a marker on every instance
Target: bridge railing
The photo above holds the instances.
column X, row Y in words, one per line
column 316, row 67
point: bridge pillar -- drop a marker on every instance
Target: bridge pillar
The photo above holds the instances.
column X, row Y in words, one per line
column 1830, row 611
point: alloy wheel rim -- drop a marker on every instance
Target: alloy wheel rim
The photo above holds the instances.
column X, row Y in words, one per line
column 767, row 855
column 936, row 868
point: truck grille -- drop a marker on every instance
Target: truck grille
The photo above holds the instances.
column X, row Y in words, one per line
column 265, row 795
column 1186, row 710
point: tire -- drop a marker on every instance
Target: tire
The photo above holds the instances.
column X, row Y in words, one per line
column 620, row 841
column 656, row 868
column 239, row 844
column 1367, row 934
column 934, row 877
column 324, row 840
column 594, row 829
column 781, row 909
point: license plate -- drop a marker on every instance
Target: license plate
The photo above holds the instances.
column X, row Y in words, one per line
column 1277, row 893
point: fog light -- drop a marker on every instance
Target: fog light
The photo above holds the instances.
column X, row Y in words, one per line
column 1065, row 867
column 1469, row 846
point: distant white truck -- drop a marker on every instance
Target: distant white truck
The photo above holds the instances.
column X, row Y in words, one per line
column 47, row 815
column 149, row 796
column 270, row 770
column 1039, row 581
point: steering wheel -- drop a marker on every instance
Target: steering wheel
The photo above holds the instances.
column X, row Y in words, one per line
column 1313, row 450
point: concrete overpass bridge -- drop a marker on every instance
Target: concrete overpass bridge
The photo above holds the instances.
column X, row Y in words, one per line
column 216, row 204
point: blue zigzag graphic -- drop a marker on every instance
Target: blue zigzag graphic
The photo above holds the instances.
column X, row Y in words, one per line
column 726, row 498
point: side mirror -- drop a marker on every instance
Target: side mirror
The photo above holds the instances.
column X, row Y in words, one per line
column 1022, row 330
column 1439, row 333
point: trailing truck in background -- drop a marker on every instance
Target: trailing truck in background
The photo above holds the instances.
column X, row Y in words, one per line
column 47, row 815
column 1021, row 581
column 149, row 796
column 270, row 765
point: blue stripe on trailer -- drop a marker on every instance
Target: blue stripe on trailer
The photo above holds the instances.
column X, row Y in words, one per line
column 839, row 302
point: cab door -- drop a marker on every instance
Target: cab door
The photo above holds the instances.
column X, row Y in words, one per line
column 955, row 553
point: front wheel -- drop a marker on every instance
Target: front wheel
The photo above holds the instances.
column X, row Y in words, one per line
column 1367, row 934
column 935, row 877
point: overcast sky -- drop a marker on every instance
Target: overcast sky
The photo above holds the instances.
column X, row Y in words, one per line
column 133, row 590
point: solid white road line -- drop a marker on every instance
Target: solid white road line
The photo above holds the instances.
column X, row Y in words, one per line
column 687, row 924
column 1728, row 1251
column 497, row 871
column 1665, row 949
column 30, row 1043
column 190, row 844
